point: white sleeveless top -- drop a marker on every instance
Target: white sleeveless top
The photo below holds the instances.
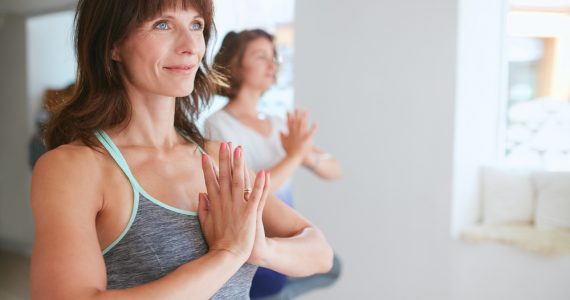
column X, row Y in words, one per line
column 261, row 152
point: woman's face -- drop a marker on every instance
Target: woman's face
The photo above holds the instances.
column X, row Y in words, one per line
column 162, row 55
column 258, row 65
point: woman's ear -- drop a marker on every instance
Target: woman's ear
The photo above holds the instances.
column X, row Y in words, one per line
column 115, row 54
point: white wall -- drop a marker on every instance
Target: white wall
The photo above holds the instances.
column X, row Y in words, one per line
column 36, row 54
column 51, row 56
column 479, row 110
column 380, row 78
column 16, row 230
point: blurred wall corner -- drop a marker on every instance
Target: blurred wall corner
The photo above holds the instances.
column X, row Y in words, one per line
column 16, row 225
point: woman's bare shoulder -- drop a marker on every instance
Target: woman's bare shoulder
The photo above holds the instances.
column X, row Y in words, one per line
column 68, row 170
column 68, row 157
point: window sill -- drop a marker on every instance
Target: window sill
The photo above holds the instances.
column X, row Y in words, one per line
column 525, row 236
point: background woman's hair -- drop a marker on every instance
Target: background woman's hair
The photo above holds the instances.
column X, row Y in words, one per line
column 99, row 98
column 229, row 58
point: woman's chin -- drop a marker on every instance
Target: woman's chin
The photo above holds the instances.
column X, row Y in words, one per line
column 182, row 92
column 264, row 87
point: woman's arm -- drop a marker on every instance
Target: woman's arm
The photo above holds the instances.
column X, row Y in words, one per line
column 295, row 247
column 67, row 262
column 322, row 164
column 283, row 170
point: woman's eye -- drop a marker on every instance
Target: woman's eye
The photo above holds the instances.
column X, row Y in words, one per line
column 161, row 25
column 197, row 26
column 263, row 57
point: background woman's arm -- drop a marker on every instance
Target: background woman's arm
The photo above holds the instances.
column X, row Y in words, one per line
column 322, row 164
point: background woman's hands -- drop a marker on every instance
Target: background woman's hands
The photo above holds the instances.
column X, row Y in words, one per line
column 299, row 140
column 231, row 217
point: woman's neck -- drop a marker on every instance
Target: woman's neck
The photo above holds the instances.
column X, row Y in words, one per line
column 244, row 104
column 151, row 123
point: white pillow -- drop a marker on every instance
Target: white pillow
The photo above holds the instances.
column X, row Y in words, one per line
column 508, row 195
column 553, row 200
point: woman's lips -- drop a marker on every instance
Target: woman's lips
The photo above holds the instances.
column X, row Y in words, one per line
column 181, row 69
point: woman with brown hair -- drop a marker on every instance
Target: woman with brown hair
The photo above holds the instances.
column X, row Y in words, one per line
column 248, row 60
column 128, row 202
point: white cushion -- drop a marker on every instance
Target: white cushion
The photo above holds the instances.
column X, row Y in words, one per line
column 545, row 242
column 553, row 200
column 508, row 196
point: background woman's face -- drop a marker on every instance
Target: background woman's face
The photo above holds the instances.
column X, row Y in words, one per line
column 162, row 55
column 258, row 65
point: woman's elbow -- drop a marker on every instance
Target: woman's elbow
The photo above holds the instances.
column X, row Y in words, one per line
column 327, row 260
column 324, row 256
column 334, row 174
column 337, row 174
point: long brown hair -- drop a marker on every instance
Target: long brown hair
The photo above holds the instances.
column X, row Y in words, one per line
column 229, row 58
column 99, row 99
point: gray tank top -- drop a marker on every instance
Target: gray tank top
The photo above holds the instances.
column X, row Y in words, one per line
column 158, row 239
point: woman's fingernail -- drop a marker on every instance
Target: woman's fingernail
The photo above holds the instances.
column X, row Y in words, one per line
column 204, row 157
column 223, row 147
column 237, row 152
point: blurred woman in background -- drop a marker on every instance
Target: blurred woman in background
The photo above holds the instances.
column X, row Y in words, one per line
column 248, row 62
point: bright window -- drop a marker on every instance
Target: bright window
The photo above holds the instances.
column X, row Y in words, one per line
column 538, row 107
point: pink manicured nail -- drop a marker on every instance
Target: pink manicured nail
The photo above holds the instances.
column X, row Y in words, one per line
column 223, row 147
column 237, row 152
column 204, row 157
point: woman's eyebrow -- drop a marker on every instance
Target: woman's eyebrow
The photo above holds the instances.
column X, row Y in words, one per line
column 256, row 51
column 171, row 17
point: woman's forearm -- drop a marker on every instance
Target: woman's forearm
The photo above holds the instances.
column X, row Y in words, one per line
column 304, row 254
column 326, row 168
column 283, row 171
column 322, row 164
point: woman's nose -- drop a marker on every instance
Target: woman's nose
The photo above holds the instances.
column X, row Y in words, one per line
column 188, row 43
column 272, row 63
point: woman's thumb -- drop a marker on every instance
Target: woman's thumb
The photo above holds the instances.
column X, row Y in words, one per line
column 202, row 207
